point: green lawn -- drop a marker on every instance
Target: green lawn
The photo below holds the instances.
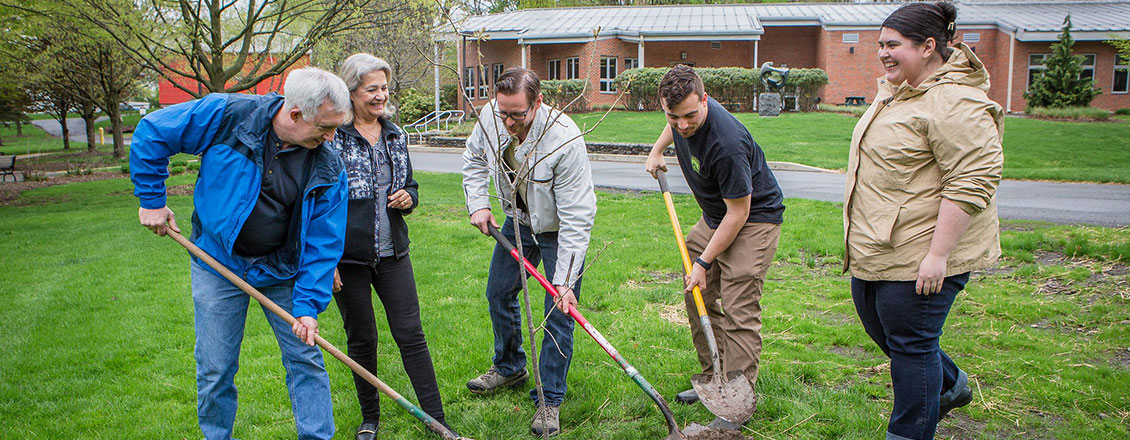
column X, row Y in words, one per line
column 1033, row 149
column 98, row 325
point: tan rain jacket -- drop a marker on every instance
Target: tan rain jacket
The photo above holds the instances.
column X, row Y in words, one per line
column 913, row 147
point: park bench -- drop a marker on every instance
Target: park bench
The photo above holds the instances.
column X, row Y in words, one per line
column 855, row 100
column 7, row 167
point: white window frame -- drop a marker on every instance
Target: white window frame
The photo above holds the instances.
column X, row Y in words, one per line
column 572, row 67
column 553, row 69
column 715, row 45
column 498, row 68
column 469, row 82
column 607, row 74
column 483, row 85
column 850, row 38
column 631, row 63
column 971, row 37
column 1125, row 68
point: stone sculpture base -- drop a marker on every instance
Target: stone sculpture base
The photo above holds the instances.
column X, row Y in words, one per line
column 769, row 104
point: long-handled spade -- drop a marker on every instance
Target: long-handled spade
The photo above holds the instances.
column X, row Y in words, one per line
column 673, row 432
column 731, row 398
column 428, row 420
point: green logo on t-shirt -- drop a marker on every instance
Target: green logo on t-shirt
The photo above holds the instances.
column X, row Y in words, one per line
column 695, row 165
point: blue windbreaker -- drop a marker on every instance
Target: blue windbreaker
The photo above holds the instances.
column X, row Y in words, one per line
column 228, row 132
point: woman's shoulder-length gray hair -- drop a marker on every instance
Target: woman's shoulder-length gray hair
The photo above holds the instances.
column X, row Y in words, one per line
column 354, row 69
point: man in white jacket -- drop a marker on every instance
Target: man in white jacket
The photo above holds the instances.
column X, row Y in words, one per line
column 541, row 171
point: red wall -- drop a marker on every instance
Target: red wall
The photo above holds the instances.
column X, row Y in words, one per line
column 168, row 94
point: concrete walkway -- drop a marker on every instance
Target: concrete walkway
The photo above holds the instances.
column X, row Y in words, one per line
column 77, row 127
column 1064, row 203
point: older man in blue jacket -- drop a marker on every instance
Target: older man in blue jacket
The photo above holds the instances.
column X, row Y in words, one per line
column 271, row 206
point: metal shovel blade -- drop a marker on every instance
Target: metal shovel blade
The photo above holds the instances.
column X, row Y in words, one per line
column 731, row 398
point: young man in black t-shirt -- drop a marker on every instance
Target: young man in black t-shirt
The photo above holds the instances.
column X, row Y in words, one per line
column 742, row 207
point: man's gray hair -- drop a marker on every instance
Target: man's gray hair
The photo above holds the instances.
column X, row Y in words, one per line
column 354, row 69
column 309, row 87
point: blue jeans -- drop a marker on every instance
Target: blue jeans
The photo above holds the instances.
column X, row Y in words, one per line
column 503, row 287
column 907, row 327
column 220, row 311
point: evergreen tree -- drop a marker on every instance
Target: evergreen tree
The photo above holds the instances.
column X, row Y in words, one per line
column 1060, row 85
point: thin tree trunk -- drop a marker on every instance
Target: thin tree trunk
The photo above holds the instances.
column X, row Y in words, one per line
column 19, row 126
column 116, row 121
column 91, row 141
column 66, row 131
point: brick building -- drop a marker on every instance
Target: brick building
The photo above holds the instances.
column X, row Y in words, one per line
column 169, row 94
column 1011, row 37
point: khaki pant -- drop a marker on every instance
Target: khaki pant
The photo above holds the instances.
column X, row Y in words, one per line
column 736, row 278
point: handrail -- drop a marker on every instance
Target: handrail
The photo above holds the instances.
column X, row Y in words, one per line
column 443, row 116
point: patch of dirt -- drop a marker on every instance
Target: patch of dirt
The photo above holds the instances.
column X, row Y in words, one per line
column 10, row 191
column 180, row 190
column 1120, row 358
column 699, row 432
column 957, row 425
column 851, row 352
column 1065, row 327
column 1056, row 286
column 1045, row 258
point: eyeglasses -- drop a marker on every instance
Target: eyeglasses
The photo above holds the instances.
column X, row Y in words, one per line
column 514, row 115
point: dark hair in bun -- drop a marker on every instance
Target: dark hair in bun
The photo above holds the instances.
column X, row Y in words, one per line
column 921, row 21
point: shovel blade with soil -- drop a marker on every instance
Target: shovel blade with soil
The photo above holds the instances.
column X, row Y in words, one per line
column 730, row 397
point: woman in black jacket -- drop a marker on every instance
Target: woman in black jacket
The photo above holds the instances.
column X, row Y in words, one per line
column 381, row 192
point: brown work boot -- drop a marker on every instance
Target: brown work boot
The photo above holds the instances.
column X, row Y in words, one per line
column 492, row 381
column 546, row 421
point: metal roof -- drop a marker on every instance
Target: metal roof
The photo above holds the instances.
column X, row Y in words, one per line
column 1031, row 20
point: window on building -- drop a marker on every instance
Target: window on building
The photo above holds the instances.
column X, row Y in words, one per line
column 469, row 82
column 715, row 45
column 1036, row 64
column 554, row 69
column 572, row 68
column 1121, row 74
column 607, row 74
column 851, row 38
column 498, row 69
column 972, row 37
column 1088, row 67
column 631, row 63
column 483, row 86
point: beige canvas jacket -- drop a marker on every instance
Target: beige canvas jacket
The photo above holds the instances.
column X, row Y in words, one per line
column 913, row 147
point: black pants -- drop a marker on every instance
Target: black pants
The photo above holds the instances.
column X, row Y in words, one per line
column 394, row 283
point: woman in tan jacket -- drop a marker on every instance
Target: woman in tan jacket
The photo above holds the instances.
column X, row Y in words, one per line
column 919, row 206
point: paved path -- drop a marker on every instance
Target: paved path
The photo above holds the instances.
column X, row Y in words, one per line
column 1064, row 203
column 77, row 127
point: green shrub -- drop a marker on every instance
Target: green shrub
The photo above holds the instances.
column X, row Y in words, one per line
column 176, row 170
column 559, row 93
column 125, row 168
column 734, row 87
column 178, row 162
column 1122, row 111
column 448, row 96
column 194, row 166
column 413, row 104
column 1060, row 83
column 1070, row 113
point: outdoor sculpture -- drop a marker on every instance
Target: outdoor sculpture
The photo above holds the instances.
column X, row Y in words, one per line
column 769, row 103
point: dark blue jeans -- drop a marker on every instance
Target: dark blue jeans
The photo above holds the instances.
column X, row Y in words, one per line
column 907, row 326
column 503, row 287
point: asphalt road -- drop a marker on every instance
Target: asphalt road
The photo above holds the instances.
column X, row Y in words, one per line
column 1063, row 203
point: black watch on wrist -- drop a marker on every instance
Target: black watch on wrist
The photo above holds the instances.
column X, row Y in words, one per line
column 704, row 264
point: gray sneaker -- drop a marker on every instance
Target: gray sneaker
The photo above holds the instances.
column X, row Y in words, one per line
column 492, row 381
column 547, row 422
